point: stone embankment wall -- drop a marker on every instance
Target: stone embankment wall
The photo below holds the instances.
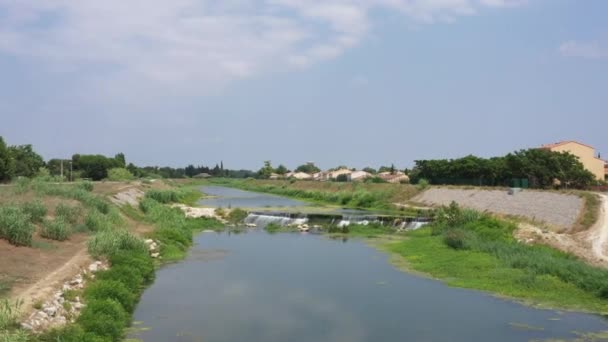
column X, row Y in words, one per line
column 558, row 210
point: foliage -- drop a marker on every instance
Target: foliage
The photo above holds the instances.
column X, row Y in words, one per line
column 68, row 213
column 237, row 215
column 281, row 170
column 137, row 261
column 57, row 229
column 591, row 210
column 95, row 166
column 423, row 184
column 266, row 170
column 96, row 221
column 342, row 178
column 309, row 168
column 104, row 317
column 111, row 289
column 35, row 209
column 119, row 174
column 107, row 242
column 273, row 228
column 16, row 226
column 163, row 196
column 462, row 229
column 541, row 167
column 7, row 164
column 86, row 186
column 9, row 313
column 26, row 161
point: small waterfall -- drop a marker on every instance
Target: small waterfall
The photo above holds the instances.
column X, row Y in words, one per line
column 411, row 225
column 263, row 220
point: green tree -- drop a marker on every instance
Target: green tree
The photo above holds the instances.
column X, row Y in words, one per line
column 370, row 170
column 309, row 168
column 6, row 162
column 266, row 170
column 26, row 161
column 281, row 170
column 121, row 160
column 94, row 166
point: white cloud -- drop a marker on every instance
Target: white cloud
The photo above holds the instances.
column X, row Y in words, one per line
column 591, row 50
column 203, row 41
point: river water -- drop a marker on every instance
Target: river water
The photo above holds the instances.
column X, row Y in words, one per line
column 301, row 287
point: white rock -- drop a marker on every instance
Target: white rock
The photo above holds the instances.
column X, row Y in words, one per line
column 149, row 241
column 42, row 315
column 50, row 310
column 151, row 247
column 78, row 305
column 93, row 267
column 27, row 326
column 155, row 255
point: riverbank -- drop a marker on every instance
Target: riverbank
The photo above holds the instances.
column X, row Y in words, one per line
column 368, row 196
column 132, row 240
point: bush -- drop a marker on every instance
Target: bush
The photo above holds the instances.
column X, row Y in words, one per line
column 67, row 213
column 9, row 314
column 104, row 317
column 163, row 196
column 273, row 227
column 176, row 236
column 86, row 186
column 136, row 260
column 129, row 276
column 35, row 209
column 96, row 221
column 106, row 243
column 423, row 184
column 71, row 333
column 455, row 238
column 120, row 174
column 15, row 226
column 111, row 289
column 237, row 215
column 57, row 229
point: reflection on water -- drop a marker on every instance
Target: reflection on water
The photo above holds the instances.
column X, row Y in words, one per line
column 227, row 197
column 296, row 287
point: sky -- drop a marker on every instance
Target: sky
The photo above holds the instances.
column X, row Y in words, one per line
column 338, row 82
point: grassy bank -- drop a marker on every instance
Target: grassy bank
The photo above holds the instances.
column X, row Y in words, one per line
column 472, row 250
column 351, row 195
column 112, row 296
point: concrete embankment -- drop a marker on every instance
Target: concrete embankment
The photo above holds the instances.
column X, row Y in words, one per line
column 555, row 209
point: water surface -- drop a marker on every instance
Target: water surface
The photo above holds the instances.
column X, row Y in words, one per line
column 224, row 197
column 293, row 287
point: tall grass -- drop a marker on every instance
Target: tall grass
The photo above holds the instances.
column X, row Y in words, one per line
column 173, row 196
column 469, row 230
column 16, row 226
column 109, row 242
column 35, row 209
column 57, row 229
column 68, row 213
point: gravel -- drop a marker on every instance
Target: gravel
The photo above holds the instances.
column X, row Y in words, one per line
column 558, row 210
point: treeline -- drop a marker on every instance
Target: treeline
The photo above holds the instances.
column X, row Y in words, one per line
column 23, row 161
column 536, row 168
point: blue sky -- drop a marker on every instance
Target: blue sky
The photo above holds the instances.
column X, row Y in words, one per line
column 334, row 81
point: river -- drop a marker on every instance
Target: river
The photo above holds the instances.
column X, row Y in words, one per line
column 256, row 286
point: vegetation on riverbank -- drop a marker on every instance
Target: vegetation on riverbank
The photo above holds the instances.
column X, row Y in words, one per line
column 352, row 195
column 473, row 250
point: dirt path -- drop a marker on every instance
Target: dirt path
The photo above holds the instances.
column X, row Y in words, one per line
column 599, row 234
column 45, row 287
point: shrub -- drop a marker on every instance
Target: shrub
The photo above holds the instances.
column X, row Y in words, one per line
column 220, row 212
column 104, row 317
column 237, row 215
column 119, row 174
column 71, row 333
column 455, row 238
column 129, row 276
column 9, row 313
column 68, row 213
column 86, row 186
column 96, row 221
column 111, row 289
column 106, row 243
column 423, row 184
column 273, row 227
column 136, row 260
column 35, row 209
column 163, row 196
column 181, row 238
column 57, row 229
column 15, row 226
